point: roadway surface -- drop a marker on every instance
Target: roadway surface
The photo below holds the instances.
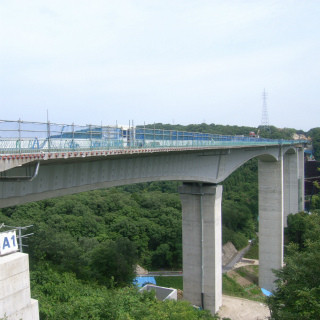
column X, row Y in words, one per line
column 229, row 266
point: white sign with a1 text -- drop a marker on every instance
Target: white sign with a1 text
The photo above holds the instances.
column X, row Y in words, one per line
column 8, row 242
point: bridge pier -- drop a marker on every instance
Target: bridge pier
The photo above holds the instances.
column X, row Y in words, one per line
column 270, row 175
column 202, row 244
column 291, row 185
column 280, row 193
column 300, row 152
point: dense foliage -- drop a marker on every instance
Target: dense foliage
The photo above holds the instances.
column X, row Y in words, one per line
column 298, row 285
column 63, row 296
column 73, row 231
column 315, row 198
column 271, row 132
column 207, row 128
column 240, row 205
column 276, row 133
column 315, row 136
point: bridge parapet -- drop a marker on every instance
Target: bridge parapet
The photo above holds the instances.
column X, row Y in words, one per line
column 24, row 142
column 22, row 137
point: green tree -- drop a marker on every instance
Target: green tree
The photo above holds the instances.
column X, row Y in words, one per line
column 63, row 296
column 315, row 201
column 113, row 262
column 315, row 136
column 302, row 227
column 297, row 227
column 298, row 286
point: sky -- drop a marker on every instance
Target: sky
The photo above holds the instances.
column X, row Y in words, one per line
column 170, row 61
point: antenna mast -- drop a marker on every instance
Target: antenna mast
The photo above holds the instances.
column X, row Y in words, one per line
column 265, row 118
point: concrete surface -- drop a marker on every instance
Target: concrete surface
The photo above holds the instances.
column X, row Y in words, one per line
column 270, row 175
column 15, row 299
column 162, row 293
column 243, row 309
column 202, row 244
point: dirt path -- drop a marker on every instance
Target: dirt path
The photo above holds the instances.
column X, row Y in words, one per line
column 242, row 309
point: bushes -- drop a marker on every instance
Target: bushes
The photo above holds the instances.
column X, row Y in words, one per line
column 238, row 239
column 112, row 262
column 62, row 296
column 298, row 285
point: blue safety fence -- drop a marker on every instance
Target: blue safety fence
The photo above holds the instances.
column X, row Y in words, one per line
column 28, row 137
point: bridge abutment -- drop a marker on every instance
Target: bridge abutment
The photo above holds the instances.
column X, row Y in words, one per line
column 15, row 299
column 202, row 244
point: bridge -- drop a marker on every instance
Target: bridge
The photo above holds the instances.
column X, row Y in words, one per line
column 43, row 160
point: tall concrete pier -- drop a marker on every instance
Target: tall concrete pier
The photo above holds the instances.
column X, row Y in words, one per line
column 202, row 244
column 280, row 193
column 270, row 221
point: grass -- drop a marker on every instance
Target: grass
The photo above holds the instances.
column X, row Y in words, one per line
column 250, row 272
column 170, row 282
column 253, row 252
column 232, row 288
column 251, row 291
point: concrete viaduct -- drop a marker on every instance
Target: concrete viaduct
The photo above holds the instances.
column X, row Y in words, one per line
column 281, row 192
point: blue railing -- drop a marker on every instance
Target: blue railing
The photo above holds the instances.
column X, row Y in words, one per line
column 30, row 137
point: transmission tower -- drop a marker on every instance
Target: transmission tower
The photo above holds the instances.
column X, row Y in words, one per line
column 265, row 118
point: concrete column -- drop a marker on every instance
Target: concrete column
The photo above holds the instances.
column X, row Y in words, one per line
column 300, row 156
column 270, row 175
column 202, row 245
column 291, row 185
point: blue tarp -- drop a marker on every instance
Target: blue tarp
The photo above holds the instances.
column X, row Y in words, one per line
column 142, row 281
column 266, row 292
